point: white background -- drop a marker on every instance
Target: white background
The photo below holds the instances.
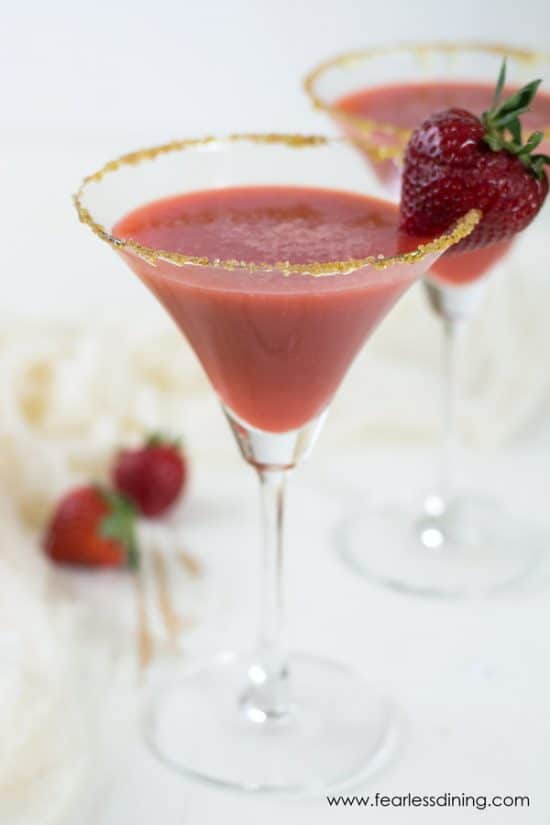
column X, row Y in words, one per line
column 82, row 82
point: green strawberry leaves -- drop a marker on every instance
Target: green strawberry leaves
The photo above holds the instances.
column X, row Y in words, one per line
column 120, row 524
column 503, row 125
column 499, row 88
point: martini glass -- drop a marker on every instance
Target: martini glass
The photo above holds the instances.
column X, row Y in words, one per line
column 275, row 337
column 454, row 542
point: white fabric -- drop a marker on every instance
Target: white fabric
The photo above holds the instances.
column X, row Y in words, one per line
column 42, row 758
column 63, row 685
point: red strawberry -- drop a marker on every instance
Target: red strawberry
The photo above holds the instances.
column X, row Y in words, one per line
column 153, row 475
column 93, row 526
column 456, row 162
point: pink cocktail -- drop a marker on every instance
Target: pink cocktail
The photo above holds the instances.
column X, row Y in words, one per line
column 377, row 97
column 275, row 349
column 276, row 264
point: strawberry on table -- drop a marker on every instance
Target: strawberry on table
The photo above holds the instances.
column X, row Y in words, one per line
column 153, row 476
column 93, row 526
column 456, row 161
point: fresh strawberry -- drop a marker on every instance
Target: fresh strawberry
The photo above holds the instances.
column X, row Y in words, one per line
column 153, row 476
column 93, row 526
column 456, row 161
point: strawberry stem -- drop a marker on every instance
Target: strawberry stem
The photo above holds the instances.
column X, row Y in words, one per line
column 503, row 118
column 500, row 83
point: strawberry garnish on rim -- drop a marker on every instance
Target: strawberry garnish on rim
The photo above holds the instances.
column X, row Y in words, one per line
column 456, row 161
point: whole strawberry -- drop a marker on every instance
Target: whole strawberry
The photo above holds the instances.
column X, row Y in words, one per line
column 456, row 161
column 92, row 526
column 153, row 476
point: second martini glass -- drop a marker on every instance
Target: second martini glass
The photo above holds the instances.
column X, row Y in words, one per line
column 456, row 542
column 276, row 265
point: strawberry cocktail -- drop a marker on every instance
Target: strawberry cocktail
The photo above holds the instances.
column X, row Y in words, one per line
column 442, row 134
column 275, row 349
column 276, row 263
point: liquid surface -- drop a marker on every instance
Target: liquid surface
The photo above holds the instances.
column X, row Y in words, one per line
column 275, row 347
column 407, row 105
column 269, row 224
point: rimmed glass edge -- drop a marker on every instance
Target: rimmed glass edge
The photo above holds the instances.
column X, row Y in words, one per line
column 368, row 126
column 461, row 229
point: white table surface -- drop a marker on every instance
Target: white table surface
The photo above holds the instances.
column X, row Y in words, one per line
column 470, row 680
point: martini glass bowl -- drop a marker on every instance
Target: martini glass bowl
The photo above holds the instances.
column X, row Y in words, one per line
column 453, row 541
column 268, row 720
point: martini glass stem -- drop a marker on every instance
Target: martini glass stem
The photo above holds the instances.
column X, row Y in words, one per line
column 272, row 490
column 449, row 430
column 267, row 695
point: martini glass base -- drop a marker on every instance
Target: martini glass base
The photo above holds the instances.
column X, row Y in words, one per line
column 472, row 547
column 338, row 728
